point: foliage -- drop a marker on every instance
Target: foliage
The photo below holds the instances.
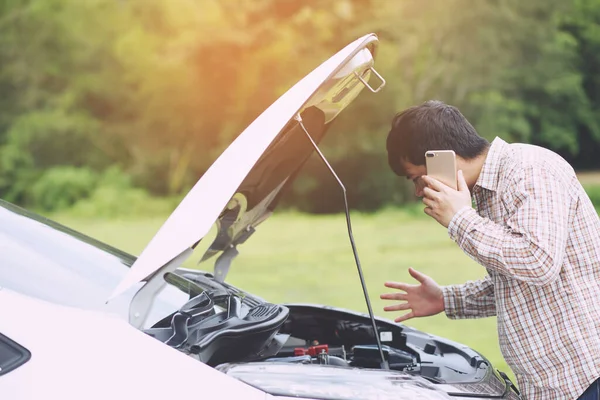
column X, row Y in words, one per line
column 158, row 88
column 60, row 187
column 115, row 197
column 368, row 189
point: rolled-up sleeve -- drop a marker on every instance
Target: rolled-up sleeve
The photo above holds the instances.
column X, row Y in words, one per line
column 473, row 299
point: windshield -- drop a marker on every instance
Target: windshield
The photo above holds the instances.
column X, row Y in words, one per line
column 43, row 259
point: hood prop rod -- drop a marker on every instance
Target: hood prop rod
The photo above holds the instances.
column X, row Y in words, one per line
column 384, row 363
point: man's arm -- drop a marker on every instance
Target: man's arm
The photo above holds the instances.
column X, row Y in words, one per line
column 531, row 247
column 470, row 300
column 473, row 299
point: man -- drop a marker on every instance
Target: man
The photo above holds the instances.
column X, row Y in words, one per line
column 535, row 231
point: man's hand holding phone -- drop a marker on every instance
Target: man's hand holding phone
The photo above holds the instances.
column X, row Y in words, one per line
column 443, row 202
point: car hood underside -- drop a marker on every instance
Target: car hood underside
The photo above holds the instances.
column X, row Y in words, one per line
column 243, row 186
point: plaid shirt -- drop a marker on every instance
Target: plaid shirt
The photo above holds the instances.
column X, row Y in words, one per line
column 538, row 235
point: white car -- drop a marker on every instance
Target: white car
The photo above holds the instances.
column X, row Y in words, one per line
column 83, row 320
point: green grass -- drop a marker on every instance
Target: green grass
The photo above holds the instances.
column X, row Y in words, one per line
column 301, row 258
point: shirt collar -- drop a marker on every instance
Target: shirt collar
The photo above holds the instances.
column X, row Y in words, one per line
column 489, row 175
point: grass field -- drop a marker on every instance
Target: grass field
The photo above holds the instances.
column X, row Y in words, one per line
column 303, row 258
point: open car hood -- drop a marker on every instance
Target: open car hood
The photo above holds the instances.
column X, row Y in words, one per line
column 242, row 187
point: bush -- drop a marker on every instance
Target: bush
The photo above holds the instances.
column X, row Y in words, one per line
column 60, row 187
column 115, row 197
column 369, row 182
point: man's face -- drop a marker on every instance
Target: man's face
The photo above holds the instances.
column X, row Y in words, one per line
column 414, row 173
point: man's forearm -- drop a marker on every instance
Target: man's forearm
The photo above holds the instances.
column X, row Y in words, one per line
column 473, row 299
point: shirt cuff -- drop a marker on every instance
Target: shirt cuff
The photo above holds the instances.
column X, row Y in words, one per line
column 452, row 302
column 461, row 224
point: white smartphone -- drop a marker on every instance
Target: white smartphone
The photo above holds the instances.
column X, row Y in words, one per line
column 441, row 165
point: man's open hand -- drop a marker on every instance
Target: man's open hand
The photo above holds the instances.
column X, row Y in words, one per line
column 423, row 300
column 442, row 202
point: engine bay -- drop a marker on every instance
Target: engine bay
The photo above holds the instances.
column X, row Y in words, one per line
column 225, row 327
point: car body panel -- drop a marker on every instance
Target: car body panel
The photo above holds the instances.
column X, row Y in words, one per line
column 46, row 260
column 81, row 354
column 334, row 383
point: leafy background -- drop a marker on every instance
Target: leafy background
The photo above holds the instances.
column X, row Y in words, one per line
column 145, row 94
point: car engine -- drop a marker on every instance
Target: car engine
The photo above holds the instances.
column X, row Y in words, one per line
column 225, row 327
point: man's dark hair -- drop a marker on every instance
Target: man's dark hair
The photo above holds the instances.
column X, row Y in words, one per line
column 432, row 125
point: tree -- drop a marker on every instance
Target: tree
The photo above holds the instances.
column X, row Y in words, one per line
column 159, row 88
